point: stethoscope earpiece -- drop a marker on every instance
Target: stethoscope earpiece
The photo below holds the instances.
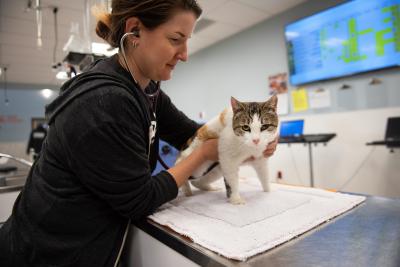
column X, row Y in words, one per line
column 135, row 33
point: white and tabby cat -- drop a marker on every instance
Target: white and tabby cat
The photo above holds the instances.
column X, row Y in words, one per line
column 244, row 131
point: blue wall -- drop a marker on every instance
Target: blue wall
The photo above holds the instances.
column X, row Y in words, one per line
column 15, row 118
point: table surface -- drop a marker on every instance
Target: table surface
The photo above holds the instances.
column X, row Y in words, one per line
column 368, row 235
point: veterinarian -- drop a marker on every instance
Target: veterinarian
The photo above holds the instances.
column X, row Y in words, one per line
column 93, row 175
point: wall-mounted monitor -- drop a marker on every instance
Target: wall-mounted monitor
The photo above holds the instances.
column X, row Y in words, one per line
column 354, row 37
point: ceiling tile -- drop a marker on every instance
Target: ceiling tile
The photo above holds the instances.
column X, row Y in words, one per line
column 271, row 6
column 219, row 30
column 209, row 5
column 237, row 14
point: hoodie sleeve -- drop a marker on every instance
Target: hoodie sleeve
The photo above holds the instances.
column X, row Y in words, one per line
column 175, row 127
column 110, row 159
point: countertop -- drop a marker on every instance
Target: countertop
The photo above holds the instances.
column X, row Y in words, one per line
column 368, row 235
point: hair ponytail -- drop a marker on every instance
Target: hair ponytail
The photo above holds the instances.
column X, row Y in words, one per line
column 152, row 13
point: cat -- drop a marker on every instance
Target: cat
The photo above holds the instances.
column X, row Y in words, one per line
column 244, row 131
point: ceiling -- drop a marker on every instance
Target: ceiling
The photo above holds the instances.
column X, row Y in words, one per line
column 28, row 64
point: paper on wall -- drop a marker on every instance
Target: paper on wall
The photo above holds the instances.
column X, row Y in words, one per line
column 283, row 104
column 319, row 98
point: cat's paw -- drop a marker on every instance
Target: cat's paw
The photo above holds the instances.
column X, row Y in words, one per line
column 267, row 189
column 237, row 200
column 187, row 191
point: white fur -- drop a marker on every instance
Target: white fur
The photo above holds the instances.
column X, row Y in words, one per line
column 233, row 151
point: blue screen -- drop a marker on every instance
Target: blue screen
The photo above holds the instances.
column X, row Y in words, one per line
column 358, row 36
column 291, row 128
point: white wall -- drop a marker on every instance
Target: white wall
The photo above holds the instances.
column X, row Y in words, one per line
column 240, row 66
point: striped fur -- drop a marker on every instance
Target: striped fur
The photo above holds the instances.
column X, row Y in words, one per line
column 244, row 130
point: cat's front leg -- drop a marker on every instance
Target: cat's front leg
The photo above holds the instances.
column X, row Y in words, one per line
column 186, row 189
column 231, row 178
column 261, row 168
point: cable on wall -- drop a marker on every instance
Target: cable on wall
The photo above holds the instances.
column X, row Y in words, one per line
column 295, row 166
column 357, row 169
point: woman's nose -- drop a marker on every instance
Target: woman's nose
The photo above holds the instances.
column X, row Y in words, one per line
column 183, row 53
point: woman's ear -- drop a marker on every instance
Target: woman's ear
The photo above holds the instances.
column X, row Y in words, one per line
column 133, row 24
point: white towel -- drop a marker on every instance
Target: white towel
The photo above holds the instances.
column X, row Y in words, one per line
column 265, row 221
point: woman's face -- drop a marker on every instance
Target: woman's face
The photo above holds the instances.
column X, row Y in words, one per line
column 160, row 49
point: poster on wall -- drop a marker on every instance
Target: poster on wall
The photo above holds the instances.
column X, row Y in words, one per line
column 278, row 85
column 299, row 100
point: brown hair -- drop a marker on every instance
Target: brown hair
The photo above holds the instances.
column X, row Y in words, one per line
column 151, row 13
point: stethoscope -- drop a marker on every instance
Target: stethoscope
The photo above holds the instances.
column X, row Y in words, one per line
column 151, row 97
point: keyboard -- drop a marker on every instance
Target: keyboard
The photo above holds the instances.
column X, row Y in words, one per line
column 307, row 138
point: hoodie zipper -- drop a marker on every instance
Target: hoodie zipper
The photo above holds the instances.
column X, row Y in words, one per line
column 152, row 134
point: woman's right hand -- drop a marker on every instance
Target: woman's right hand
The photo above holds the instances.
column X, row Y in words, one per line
column 209, row 149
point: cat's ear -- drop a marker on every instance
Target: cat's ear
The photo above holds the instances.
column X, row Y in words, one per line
column 272, row 103
column 235, row 104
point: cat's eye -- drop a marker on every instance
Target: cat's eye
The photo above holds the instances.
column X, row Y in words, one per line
column 265, row 126
column 246, row 128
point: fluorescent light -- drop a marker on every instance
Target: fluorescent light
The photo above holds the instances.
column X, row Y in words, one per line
column 103, row 49
column 1, row 71
column 62, row 75
column 46, row 93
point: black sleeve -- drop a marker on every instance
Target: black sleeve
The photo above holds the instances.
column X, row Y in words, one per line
column 111, row 161
column 174, row 126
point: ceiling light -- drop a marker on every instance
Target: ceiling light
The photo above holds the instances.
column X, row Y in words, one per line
column 46, row 93
column 62, row 75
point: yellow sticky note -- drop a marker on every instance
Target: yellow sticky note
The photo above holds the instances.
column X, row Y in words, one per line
column 299, row 100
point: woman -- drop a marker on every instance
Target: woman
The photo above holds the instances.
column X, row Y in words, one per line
column 93, row 175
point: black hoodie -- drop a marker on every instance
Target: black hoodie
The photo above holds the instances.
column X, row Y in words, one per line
column 94, row 172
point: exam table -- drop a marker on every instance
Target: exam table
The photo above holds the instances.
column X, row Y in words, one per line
column 368, row 235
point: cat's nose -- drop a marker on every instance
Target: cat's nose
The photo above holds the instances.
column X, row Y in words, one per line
column 256, row 141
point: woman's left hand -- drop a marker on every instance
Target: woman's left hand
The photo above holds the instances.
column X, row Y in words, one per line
column 269, row 151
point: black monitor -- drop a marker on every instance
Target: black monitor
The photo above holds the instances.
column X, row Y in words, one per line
column 393, row 129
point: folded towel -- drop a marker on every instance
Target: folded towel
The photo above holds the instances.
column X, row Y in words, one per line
column 265, row 221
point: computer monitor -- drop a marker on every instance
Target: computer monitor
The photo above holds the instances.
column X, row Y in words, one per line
column 393, row 129
column 291, row 128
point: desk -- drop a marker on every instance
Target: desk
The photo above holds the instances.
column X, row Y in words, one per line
column 308, row 139
column 389, row 144
column 368, row 235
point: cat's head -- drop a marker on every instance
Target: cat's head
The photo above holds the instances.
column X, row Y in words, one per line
column 255, row 122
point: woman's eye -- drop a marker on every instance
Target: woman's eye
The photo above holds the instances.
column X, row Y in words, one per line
column 246, row 128
column 174, row 40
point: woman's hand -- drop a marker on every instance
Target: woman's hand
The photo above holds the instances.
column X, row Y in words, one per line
column 184, row 168
column 209, row 149
column 269, row 151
